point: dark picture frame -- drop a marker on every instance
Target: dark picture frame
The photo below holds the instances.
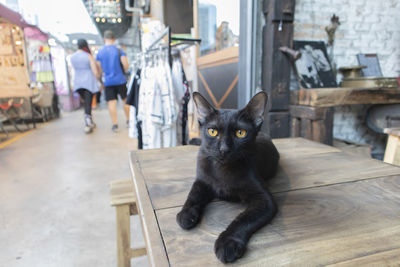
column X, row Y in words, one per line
column 313, row 69
column 373, row 68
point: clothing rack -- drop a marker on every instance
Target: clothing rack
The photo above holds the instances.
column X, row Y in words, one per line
column 164, row 109
column 167, row 32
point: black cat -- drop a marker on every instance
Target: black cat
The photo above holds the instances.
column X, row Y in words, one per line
column 233, row 163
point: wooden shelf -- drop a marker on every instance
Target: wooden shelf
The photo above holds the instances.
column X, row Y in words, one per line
column 330, row 97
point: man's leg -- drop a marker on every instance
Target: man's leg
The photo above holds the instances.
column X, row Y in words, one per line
column 112, row 108
column 111, row 98
column 122, row 90
column 126, row 109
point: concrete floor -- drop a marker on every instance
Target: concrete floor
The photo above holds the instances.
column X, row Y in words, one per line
column 54, row 194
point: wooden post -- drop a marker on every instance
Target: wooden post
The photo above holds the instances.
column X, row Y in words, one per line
column 123, row 235
column 123, row 198
column 277, row 32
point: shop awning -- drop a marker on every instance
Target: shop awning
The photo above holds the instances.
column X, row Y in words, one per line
column 32, row 32
column 12, row 16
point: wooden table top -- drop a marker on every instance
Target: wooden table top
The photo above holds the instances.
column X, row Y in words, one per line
column 334, row 208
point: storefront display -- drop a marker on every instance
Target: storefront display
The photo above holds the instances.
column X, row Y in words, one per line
column 15, row 104
column 14, row 77
column 41, row 73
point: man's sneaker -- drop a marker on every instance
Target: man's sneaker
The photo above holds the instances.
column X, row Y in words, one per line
column 114, row 128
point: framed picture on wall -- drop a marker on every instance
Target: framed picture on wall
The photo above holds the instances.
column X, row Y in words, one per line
column 313, row 68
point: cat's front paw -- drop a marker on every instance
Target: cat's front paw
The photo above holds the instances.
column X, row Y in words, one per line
column 188, row 218
column 228, row 248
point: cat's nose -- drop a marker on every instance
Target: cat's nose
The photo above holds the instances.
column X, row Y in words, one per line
column 223, row 149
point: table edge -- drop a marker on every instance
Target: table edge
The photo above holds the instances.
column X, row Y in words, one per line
column 156, row 252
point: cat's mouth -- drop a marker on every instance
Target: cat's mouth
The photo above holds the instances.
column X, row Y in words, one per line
column 224, row 159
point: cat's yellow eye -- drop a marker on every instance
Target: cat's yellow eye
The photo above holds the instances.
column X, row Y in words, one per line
column 241, row 133
column 212, row 132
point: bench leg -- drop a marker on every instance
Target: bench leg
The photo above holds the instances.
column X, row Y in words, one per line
column 123, row 235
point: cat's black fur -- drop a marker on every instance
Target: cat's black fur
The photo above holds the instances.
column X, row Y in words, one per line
column 233, row 169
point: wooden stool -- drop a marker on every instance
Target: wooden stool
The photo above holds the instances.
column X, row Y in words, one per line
column 123, row 198
column 392, row 152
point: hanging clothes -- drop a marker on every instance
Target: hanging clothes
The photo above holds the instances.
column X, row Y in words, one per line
column 158, row 96
column 146, row 95
column 157, row 109
column 182, row 96
column 135, row 128
column 185, row 102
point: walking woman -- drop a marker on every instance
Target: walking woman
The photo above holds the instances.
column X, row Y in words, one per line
column 85, row 81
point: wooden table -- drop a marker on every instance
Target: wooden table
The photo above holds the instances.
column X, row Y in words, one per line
column 311, row 110
column 334, row 208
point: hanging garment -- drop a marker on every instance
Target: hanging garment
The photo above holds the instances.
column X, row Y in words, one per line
column 146, row 95
column 182, row 95
column 44, row 76
column 177, row 79
column 132, row 99
column 157, row 108
column 185, row 101
column 170, row 108
column 178, row 93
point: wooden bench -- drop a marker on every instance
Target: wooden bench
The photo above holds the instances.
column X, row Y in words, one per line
column 124, row 201
column 392, row 152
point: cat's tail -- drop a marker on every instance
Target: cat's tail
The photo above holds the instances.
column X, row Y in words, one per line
column 195, row 141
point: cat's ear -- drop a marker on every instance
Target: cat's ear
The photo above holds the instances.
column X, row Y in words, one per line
column 203, row 107
column 256, row 107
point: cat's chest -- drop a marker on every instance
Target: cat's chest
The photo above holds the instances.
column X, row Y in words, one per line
column 228, row 184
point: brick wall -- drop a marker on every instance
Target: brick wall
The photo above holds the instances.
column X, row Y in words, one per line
column 367, row 26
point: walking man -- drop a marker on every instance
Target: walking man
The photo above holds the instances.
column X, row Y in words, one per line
column 114, row 63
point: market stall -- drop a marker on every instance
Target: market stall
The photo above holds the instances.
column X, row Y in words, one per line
column 15, row 94
column 41, row 73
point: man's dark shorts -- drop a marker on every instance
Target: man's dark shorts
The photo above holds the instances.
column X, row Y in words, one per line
column 111, row 92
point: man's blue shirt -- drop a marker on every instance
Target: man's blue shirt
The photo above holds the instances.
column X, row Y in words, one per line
column 111, row 65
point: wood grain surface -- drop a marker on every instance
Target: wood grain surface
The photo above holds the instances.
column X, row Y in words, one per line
column 346, row 223
column 154, row 244
column 170, row 173
column 334, row 208
column 330, row 97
